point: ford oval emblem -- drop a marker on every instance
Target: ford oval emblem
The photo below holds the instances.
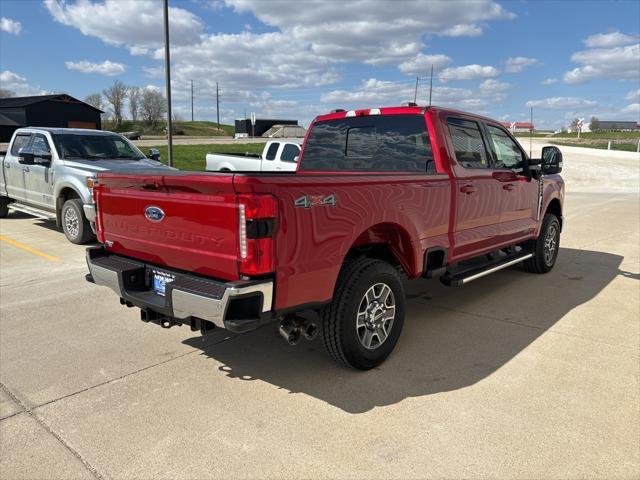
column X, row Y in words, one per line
column 154, row 214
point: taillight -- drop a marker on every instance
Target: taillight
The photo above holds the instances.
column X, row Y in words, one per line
column 257, row 217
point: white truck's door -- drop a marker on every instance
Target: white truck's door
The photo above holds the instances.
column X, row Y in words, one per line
column 287, row 160
column 269, row 157
column 13, row 170
column 38, row 178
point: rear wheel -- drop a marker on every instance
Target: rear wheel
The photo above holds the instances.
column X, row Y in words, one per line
column 545, row 248
column 74, row 224
column 4, row 206
column 362, row 324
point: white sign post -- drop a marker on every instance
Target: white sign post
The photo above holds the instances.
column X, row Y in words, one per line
column 512, row 127
column 253, row 123
column 579, row 126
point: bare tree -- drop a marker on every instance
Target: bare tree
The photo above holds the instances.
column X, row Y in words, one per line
column 116, row 95
column 4, row 93
column 134, row 102
column 153, row 105
column 95, row 100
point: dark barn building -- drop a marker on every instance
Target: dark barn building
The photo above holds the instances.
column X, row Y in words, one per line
column 261, row 126
column 59, row 110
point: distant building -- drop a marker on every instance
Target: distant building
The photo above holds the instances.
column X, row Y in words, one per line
column 59, row 110
column 244, row 129
column 617, row 125
column 519, row 127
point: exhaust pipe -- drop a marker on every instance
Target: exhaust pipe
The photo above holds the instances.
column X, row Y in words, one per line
column 290, row 330
column 309, row 329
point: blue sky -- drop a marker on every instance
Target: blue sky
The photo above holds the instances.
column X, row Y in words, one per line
column 289, row 59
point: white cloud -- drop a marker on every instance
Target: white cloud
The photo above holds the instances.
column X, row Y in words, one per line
column 494, row 86
column 611, row 39
column 468, row 72
column 19, row 85
column 517, row 64
column 633, row 108
column 10, row 26
column 421, row 64
column 371, row 31
column 549, row 81
column 377, row 93
column 107, row 67
column 633, row 95
column 127, row 22
column 561, row 103
column 616, row 63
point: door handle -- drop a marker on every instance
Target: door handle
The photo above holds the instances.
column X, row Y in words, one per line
column 26, row 169
column 508, row 186
column 7, row 166
column 468, row 189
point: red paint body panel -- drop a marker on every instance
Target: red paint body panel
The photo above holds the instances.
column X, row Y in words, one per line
column 466, row 211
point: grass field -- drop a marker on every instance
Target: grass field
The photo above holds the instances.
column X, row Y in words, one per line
column 600, row 135
column 195, row 129
column 191, row 157
column 627, row 147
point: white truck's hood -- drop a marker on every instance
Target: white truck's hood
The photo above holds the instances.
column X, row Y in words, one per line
column 116, row 165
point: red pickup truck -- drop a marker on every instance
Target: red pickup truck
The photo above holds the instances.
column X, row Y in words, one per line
column 380, row 196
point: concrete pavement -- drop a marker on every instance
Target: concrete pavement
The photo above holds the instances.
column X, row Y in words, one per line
column 515, row 375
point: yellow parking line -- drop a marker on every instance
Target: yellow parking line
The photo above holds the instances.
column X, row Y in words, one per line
column 29, row 249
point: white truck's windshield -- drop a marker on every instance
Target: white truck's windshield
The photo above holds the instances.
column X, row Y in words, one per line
column 95, row 147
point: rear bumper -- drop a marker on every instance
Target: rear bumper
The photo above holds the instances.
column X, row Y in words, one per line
column 236, row 306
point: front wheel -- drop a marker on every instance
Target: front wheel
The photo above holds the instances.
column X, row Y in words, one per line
column 545, row 248
column 74, row 224
column 362, row 324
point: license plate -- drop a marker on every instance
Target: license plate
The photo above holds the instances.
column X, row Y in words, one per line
column 160, row 281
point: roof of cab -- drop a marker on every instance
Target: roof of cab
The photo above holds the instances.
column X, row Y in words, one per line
column 402, row 110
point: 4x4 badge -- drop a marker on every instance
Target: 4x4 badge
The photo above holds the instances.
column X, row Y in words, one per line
column 309, row 201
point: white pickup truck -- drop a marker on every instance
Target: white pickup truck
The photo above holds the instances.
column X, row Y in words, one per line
column 276, row 156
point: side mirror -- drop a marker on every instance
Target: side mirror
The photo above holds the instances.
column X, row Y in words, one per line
column 551, row 160
column 296, row 158
column 26, row 156
column 154, row 154
column 41, row 157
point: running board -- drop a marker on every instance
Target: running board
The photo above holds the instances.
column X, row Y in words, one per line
column 35, row 212
column 464, row 277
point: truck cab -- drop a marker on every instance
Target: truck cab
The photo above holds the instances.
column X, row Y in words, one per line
column 49, row 173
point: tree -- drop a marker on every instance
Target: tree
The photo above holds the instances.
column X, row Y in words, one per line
column 95, row 100
column 574, row 124
column 134, row 102
column 116, row 95
column 153, row 105
column 4, row 93
column 594, row 124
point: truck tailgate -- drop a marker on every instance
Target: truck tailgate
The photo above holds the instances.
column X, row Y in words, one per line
column 181, row 221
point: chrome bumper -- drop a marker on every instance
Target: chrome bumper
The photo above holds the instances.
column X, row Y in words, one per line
column 89, row 211
column 187, row 296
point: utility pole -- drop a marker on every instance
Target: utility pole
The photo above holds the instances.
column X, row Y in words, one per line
column 531, row 133
column 431, row 84
column 415, row 92
column 218, row 106
column 167, row 67
column 192, row 100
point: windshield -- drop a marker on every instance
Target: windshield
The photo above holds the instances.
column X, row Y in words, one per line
column 95, row 147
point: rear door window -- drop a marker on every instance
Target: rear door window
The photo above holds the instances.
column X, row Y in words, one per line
column 19, row 142
column 374, row 143
column 289, row 153
column 272, row 151
column 468, row 143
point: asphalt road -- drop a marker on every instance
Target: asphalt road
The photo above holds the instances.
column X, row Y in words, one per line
column 515, row 375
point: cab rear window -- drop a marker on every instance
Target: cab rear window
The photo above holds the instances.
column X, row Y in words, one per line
column 374, row 143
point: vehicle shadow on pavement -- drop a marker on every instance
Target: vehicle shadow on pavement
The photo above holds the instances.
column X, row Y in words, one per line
column 452, row 337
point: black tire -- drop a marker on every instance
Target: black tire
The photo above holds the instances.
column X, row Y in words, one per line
column 545, row 248
column 4, row 206
column 343, row 340
column 74, row 224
